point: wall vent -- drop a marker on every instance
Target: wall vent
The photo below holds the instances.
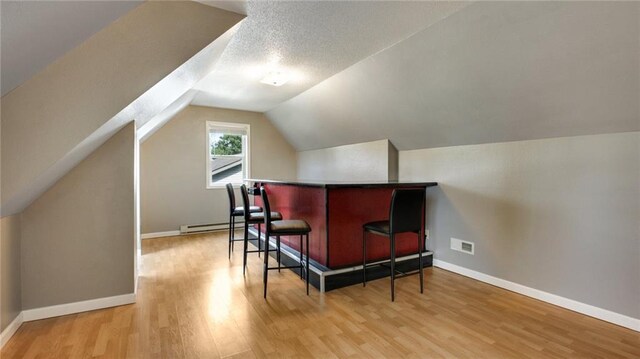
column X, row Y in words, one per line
column 462, row 246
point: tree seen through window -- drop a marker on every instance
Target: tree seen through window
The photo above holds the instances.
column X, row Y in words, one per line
column 227, row 156
column 227, row 145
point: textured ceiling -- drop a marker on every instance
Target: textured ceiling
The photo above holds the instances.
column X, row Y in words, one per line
column 36, row 33
column 492, row 72
column 237, row 6
column 313, row 40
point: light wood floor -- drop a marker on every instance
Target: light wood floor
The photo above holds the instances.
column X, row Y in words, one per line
column 193, row 302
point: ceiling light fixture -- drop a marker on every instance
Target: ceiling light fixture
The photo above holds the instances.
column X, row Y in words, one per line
column 275, row 78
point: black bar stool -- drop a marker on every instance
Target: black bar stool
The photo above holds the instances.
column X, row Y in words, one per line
column 290, row 227
column 253, row 218
column 405, row 215
column 233, row 213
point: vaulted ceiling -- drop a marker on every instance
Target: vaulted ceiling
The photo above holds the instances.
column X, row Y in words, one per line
column 36, row 33
column 311, row 40
column 432, row 74
column 422, row 74
column 491, row 72
column 134, row 69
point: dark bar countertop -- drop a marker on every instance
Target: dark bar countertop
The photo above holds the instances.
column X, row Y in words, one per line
column 344, row 184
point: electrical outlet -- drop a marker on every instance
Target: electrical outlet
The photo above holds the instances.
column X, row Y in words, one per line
column 426, row 234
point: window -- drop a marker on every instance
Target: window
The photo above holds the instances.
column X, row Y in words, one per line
column 227, row 153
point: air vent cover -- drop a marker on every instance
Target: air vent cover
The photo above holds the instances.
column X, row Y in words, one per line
column 462, row 246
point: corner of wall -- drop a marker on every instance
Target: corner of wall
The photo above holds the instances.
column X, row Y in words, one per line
column 136, row 206
column 10, row 271
column 392, row 160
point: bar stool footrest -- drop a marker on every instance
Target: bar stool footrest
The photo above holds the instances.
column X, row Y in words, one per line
column 257, row 251
column 402, row 274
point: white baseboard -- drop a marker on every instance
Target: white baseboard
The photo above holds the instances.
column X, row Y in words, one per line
column 587, row 309
column 78, row 307
column 10, row 330
column 63, row 309
column 159, row 234
column 210, row 228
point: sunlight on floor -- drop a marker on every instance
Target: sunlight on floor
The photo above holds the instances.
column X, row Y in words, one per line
column 219, row 302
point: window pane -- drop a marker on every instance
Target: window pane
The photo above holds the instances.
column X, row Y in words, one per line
column 224, row 144
column 227, row 158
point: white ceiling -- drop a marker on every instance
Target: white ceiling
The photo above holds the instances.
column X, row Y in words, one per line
column 237, row 6
column 36, row 33
column 492, row 72
column 311, row 39
column 445, row 73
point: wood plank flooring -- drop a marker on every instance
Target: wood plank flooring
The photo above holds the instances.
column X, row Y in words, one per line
column 194, row 303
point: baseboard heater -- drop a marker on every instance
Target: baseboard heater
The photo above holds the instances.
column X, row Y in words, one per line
column 197, row 228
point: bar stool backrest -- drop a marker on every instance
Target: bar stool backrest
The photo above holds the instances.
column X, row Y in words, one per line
column 232, row 197
column 406, row 214
column 266, row 206
column 245, row 202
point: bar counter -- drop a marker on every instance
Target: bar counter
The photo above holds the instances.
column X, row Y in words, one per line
column 336, row 212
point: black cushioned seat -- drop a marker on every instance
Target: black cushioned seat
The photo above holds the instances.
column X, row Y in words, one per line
column 239, row 211
column 381, row 227
column 289, row 226
column 255, row 218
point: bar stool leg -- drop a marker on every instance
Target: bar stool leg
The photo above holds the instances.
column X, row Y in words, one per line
column 259, row 244
column 364, row 258
column 306, row 274
column 392, row 264
column 233, row 232
column 246, row 247
column 420, row 264
column 278, row 252
column 301, row 255
column 266, row 263
column 230, row 216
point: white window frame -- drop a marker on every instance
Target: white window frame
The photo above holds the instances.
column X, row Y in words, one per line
column 212, row 125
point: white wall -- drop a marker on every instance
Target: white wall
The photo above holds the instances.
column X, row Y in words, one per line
column 559, row 215
column 173, row 166
column 369, row 161
column 77, row 239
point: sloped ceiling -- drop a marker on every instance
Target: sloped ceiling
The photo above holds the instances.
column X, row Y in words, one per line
column 237, row 6
column 133, row 69
column 312, row 40
column 492, row 72
column 36, row 33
